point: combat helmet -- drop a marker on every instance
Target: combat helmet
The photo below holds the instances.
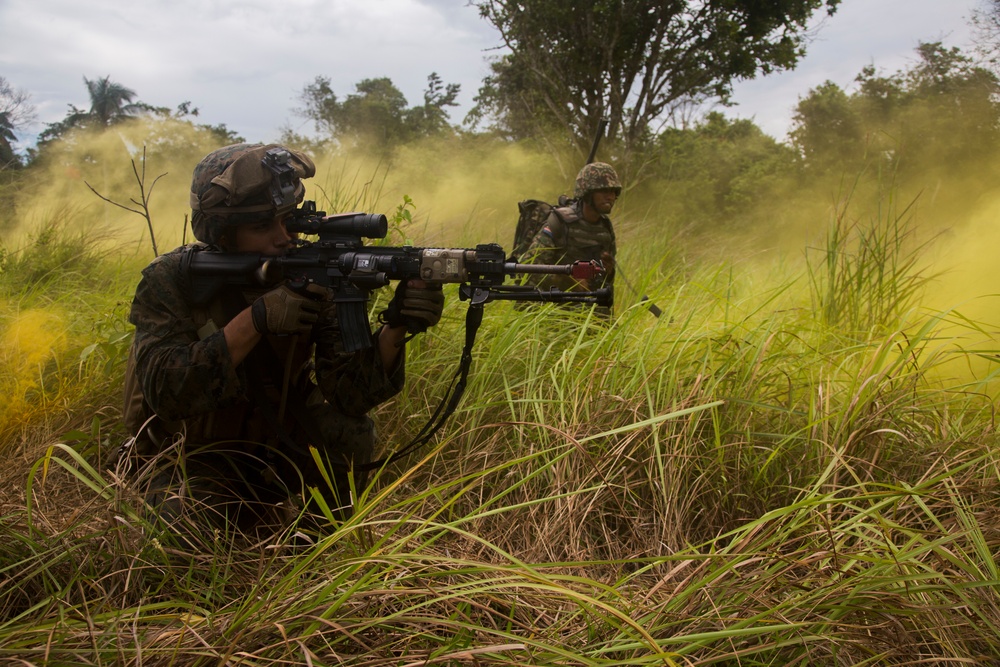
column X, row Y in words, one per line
column 596, row 176
column 244, row 183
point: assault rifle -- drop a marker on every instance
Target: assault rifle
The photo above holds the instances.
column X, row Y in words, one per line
column 340, row 260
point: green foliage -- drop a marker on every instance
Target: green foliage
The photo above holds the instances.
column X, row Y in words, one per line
column 186, row 113
column 726, row 487
column 575, row 63
column 111, row 104
column 868, row 277
column 938, row 114
column 376, row 115
column 8, row 158
column 16, row 111
column 783, row 469
column 110, row 349
column 11, row 183
column 826, row 131
column 62, row 323
column 400, row 222
column 720, row 169
column 51, row 254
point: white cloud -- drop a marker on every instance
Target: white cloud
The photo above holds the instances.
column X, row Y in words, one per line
column 244, row 62
column 884, row 33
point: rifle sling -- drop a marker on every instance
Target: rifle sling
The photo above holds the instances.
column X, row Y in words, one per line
column 448, row 404
column 263, row 358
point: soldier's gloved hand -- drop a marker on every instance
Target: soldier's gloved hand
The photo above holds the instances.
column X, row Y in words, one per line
column 609, row 267
column 609, row 263
column 416, row 305
column 286, row 311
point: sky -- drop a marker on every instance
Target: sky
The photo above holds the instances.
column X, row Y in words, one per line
column 244, row 63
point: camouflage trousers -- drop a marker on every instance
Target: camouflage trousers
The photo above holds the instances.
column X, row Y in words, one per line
column 254, row 486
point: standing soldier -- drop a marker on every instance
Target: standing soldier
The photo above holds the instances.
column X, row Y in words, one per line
column 581, row 230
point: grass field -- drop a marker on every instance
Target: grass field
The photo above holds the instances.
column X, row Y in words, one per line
column 795, row 464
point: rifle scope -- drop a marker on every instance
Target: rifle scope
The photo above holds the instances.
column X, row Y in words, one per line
column 366, row 225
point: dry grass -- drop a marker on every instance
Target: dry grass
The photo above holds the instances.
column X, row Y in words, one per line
column 735, row 483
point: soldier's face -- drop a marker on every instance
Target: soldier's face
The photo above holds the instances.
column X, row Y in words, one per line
column 267, row 237
column 603, row 200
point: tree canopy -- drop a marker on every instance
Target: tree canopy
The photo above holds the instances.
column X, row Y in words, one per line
column 112, row 103
column 574, row 62
column 941, row 112
column 985, row 21
column 376, row 114
column 16, row 111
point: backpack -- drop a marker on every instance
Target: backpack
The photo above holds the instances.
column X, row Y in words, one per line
column 532, row 214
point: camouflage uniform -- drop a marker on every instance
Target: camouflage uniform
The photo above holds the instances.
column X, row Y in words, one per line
column 567, row 237
column 214, row 431
column 188, row 385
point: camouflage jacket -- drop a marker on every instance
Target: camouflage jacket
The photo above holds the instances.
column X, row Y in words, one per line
column 567, row 237
column 182, row 380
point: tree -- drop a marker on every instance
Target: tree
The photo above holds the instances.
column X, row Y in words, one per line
column 432, row 118
column 720, row 171
column 574, row 62
column 110, row 103
column 8, row 158
column 376, row 115
column 985, row 22
column 186, row 113
column 16, row 111
column 940, row 113
column 827, row 129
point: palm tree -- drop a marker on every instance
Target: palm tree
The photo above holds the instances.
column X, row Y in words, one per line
column 7, row 156
column 110, row 102
column 6, row 127
column 15, row 112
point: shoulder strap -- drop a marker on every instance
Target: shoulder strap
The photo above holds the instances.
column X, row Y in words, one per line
column 566, row 215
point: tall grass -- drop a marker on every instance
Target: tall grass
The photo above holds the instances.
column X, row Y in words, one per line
column 63, row 300
column 759, row 476
column 868, row 274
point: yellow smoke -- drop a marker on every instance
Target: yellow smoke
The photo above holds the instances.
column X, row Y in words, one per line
column 464, row 193
column 968, row 289
column 29, row 342
column 97, row 182
column 967, row 255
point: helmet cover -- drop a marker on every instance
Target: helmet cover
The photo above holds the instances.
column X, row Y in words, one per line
column 596, row 176
column 243, row 183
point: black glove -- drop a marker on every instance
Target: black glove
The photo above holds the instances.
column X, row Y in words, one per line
column 286, row 311
column 415, row 308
